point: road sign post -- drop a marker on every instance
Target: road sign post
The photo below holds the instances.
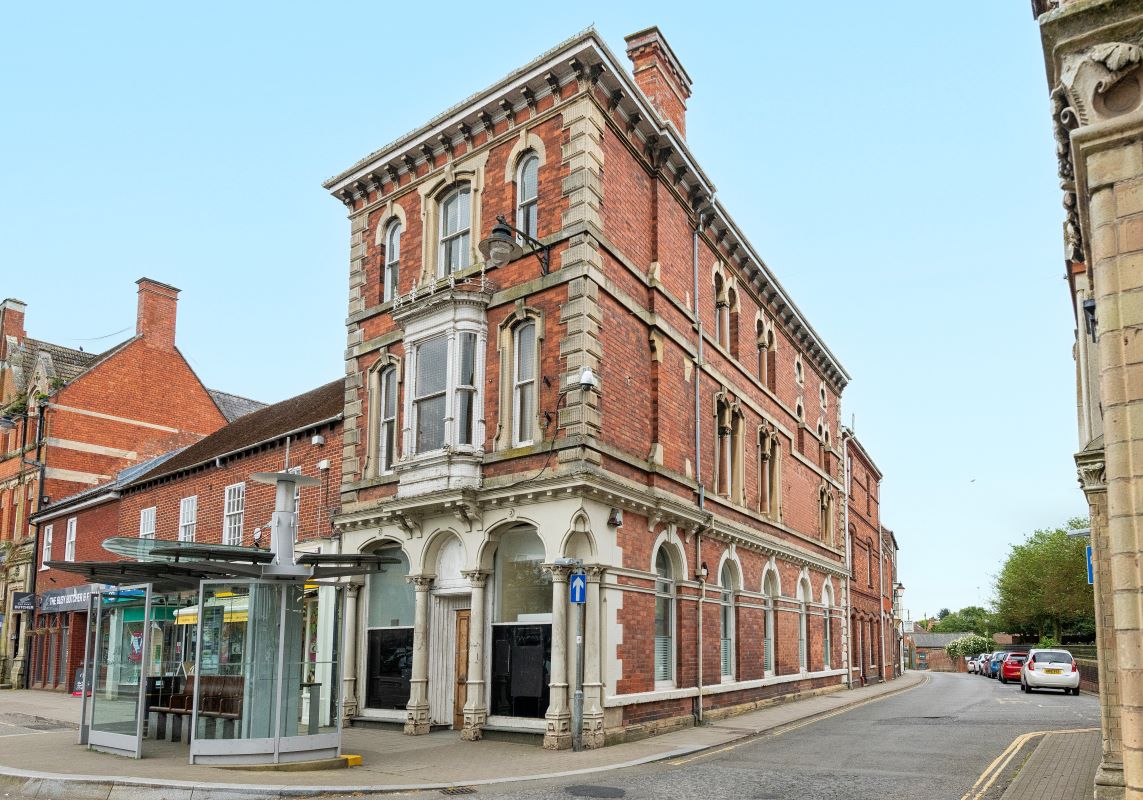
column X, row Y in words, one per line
column 577, row 591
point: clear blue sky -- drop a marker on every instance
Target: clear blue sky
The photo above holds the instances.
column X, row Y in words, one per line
column 892, row 162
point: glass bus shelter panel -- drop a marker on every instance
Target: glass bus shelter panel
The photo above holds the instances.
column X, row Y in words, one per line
column 170, row 687
column 316, row 677
column 122, row 642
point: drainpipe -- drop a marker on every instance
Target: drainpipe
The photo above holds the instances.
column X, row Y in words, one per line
column 881, row 601
column 846, row 435
column 33, row 565
column 698, row 455
column 702, row 599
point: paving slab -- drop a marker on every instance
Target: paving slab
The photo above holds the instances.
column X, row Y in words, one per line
column 1062, row 767
column 40, row 751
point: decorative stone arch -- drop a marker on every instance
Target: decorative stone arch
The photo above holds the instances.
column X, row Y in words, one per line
column 385, row 540
column 730, row 556
column 467, row 170
column 805, row 588
column 578, row 541
column 385, row 359
column 527, row 142
column 829, row 591
column 519, row 315
column 389, row 212
column 431, row 550
column 771, row 568
column 485, row 557
column 668, row 538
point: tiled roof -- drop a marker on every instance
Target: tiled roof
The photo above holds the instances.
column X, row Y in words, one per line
column 123, row 477
column 232, row 406
column 936, row 639
column 60, row 362
column 264, row 425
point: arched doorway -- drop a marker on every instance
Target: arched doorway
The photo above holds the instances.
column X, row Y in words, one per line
column 521, row 642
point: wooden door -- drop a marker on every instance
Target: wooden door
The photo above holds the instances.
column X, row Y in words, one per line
column 460, row 692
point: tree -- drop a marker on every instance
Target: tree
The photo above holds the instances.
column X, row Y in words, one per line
column 972, row 645
column 1042, row 587
column 944, row 612
column 973, row 619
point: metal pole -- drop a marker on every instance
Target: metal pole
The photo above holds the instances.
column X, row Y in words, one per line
column 577, row 698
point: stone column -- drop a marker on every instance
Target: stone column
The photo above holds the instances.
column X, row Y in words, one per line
column 592, row 674
column 558, row 734
column 349, row 653
column 417, row 709
column 475, row 704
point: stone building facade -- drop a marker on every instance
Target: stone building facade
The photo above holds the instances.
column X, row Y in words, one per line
column 695, row 471
column 74, row 420
column 1093, row 54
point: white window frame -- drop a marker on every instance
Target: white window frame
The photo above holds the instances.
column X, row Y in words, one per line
column 69, row 540
column 233, row 513
column 46, row 552
column 462, row 235
column 391, row 272
column 665, row 589
column 524, row 384
column 419, row 400
column 147, row 520
column 466, row 390
column 827, row 632
column 188, row 518
column 387, row 425
column 726, row 624
column 805, row 596
column 523, row 203
column 769, row 660
column 297, row 498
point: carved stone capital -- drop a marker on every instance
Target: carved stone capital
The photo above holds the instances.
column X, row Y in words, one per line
column 594, row 572
column 1091, row 471
column 559, row 572
column 421, row 583
column 478, row 578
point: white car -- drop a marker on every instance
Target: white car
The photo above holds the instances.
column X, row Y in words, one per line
column 972, row 662
column 1050, row 669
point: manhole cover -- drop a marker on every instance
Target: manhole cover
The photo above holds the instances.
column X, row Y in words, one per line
column 455, row 790
column 595, row 791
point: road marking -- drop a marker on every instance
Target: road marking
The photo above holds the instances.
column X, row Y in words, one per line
column 793, row 726
column 1001, row 762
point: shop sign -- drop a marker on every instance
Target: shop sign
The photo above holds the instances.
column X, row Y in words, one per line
column 23, row 601
column 73, row 598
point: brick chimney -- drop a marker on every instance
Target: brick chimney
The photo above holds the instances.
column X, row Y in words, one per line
column 156, row 318
column 11, row 323
column 660, row 76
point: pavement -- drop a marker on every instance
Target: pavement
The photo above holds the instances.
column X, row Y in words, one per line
column 39, row 756
column 1061, row 767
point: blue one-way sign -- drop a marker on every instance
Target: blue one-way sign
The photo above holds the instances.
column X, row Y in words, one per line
column 1090, row 577
column 577, row 588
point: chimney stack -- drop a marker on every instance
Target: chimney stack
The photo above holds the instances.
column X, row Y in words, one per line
column 156, row 318
column 11, row 323
column 660, row 76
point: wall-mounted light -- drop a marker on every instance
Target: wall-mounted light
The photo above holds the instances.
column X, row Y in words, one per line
column 501, row 246
column 615, row 518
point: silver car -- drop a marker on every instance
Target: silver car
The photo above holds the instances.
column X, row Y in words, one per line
column 1050, row 669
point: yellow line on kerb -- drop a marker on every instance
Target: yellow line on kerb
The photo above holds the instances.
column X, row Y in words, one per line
column 793, row 726
column 1001, row 762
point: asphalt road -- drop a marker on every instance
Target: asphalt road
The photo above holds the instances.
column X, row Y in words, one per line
column 933, row 741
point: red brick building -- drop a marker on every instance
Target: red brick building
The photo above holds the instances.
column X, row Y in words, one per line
column 71, row 420
column 202, row 493
column 874, row 631
column 699, row 479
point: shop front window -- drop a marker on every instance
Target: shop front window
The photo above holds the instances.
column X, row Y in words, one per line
column 389, row 639
column 522, row 627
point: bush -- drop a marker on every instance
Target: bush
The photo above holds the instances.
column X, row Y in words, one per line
column 968, row 646
column 1047, row 643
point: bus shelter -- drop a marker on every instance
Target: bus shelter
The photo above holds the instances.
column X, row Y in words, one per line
column 233, row 650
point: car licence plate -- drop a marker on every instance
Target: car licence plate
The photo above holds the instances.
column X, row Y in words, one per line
column 1053, row 671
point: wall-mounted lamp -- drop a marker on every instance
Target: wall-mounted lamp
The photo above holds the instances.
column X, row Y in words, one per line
column 615, row 518
column 501, row 246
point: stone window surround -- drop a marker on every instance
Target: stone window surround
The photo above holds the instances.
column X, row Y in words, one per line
column 385, row 360
column 465, row 170
column 528, row 144
column 506, row 344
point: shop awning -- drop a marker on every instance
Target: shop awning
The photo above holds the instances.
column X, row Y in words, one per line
column 236, row 610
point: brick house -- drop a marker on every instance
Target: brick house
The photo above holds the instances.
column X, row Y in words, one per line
column 71, row 420
column 201, row 493
column 695, row 470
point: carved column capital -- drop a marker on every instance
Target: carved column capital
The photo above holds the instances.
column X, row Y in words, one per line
column 421, row 583
column 559, row 572
column 1091, row 471
column 476, row 577
column 594, row 572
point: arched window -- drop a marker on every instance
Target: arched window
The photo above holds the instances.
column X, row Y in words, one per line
column 766, row 359
column 804, row 596
column 732, row 322
column 455, row 231
column 389, row 634
column 726, row 622
column 387, row 421
column 737, row 455
column 524, row 383
column 720, row 308
column 664, row 617
column 826, row 516
column 523, row 588
column 770, row 589
column 827, row 633
column 390, row 272
column 722, row 447
column 769, row 474
column 527, row 194
column 521, row 644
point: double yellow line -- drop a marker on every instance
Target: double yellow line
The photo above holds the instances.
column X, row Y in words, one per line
column 1001, row 762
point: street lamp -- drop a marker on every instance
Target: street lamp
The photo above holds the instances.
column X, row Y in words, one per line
column 501, row 246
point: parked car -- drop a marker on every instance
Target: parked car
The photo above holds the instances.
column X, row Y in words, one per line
column 1010, row 667
column 970, row 664
column 1050, row 669
column 994, row 664
column 981, row 661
